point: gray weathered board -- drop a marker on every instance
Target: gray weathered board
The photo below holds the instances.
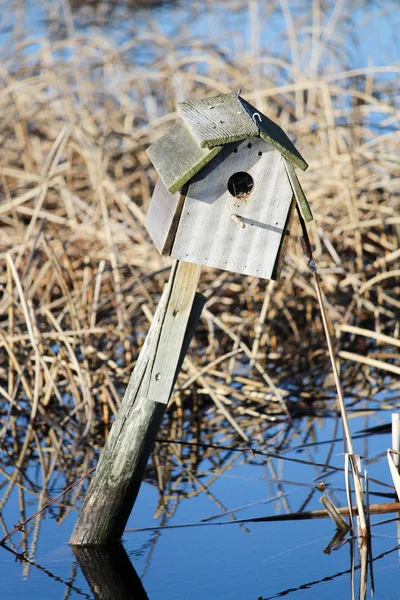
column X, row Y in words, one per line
column 167, row 345
column 284, row 240
column 298, row 192
column 163, row 216
column 217, row 121
column 177, row 157
column 270, row 132
column 123, row 461
column 208, row 235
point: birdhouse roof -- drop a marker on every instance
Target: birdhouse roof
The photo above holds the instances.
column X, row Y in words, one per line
column 204, row 127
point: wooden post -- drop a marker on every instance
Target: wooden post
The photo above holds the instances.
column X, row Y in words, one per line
column 113, row 491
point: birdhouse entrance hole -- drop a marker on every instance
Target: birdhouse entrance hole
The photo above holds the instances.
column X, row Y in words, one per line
column 240, row 185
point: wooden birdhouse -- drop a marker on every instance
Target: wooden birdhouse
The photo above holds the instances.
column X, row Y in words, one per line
column 227, row 188
column 225, row 197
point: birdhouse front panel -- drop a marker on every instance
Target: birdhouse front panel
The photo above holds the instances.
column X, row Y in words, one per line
column 236, row 209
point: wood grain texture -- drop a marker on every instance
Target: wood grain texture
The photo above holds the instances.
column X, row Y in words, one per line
column 285, row 240
column 177, row 157
column 298, row 192
column 273, row 134
column 163, row 216
column 217, row 121
column 167, row 348
column 114, row 488
column 207, row 234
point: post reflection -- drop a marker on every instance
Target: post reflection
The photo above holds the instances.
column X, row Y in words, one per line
column 109, row 573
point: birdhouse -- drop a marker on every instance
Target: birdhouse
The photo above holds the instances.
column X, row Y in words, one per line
column 227, row 188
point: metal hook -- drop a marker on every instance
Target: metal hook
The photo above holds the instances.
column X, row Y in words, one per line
column 256, row 114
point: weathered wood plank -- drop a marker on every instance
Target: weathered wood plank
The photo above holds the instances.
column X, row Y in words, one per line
column 166, row 354
column 113, row 490
column 177, row 157
column 163, row 216
column 273, row 134
column 218, row 120
column 298, row 192
column 284, row 241
column 208, row 235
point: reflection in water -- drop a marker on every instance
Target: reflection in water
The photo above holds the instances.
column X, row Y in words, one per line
column 362, row 567
column 128, row 3
column 102, row 8
column 20, row 557
column 186, row 470
column 110, row 573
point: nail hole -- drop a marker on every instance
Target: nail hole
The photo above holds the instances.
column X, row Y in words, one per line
column 260, row 153
column 235, row 150
column 249, row 145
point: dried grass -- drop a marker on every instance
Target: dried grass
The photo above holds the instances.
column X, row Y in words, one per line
column 80, row 277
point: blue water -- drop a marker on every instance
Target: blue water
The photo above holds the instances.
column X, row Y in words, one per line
column 244, row 561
